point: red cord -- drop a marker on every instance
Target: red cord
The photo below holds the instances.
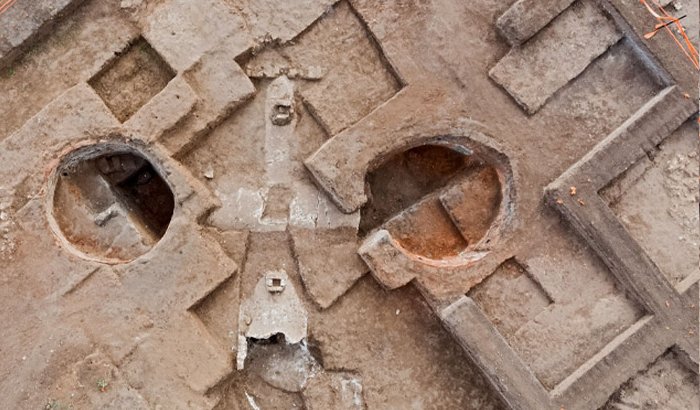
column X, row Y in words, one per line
column 665, row 20
column 6, row 5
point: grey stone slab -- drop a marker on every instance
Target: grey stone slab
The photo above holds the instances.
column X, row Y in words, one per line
column 77, row 114
column 510, row 298
column 505, row 370
column 219, row 81
column 526, row 17
column 25, row 21
column 221, row 86
column 531, row 74
column 282, row 19
column 183, row 30
column 163, row 111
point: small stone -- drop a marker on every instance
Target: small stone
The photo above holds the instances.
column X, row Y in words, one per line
column 334, row 390
column 103, row 217
column 130, row 4
column 282, row 115
column 209, row 172
column 284, row 366
column 275, row 282
column 314, row 72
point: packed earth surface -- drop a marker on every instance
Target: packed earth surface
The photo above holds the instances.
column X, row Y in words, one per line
column 348, row 204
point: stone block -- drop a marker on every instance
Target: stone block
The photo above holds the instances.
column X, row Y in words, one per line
column 473, row 203
column 509, row 297
column 531, row 74
column 163, row 111
column 182, row 31
column 526, row 17
column 287, row 367
column 219, row 81
column 24, row 21
column 221, row 86
column 334, row 390
column 325, row 281
column 272, row 308
column 356, row 80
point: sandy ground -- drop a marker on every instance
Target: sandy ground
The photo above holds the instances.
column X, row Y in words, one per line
column 161, row 325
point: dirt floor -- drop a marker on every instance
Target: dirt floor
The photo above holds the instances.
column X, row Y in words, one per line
column 347, row 204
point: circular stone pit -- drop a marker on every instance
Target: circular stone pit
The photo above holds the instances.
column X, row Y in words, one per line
column 109, row 202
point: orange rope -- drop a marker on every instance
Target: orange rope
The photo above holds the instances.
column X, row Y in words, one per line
column 665, row 20
column 6, row 5
column 690, row 48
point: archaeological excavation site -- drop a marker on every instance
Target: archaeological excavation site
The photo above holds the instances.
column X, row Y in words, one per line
column 349, row 204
